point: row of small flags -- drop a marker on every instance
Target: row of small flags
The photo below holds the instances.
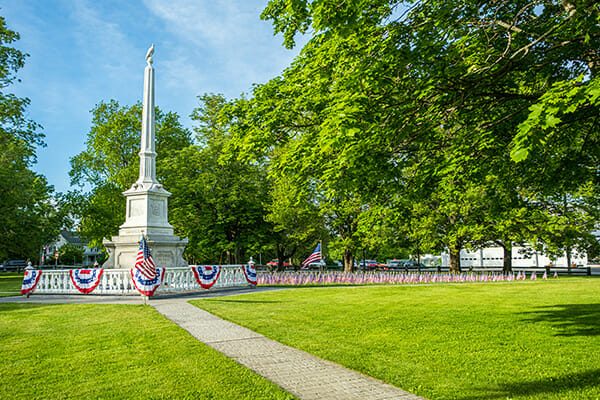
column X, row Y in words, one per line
column 86, row 280
column 390, row 278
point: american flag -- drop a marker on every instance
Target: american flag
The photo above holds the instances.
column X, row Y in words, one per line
column 144, row 262
column 315, row 256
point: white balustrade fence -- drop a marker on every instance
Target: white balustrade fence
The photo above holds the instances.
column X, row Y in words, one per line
column 119, row 282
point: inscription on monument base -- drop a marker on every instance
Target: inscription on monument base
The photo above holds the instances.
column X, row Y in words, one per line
column 136, row 207
column 165, row 258
column 126, row 259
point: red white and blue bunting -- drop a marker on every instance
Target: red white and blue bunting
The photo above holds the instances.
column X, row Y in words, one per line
column 30, row 280
column 146, row 286
column 206, row 275
column 250, row 273
column 86, row 280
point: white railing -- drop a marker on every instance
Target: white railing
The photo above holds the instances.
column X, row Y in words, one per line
column 119, row 282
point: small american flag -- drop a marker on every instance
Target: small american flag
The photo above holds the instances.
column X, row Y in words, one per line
column 315, row 256
column 144, row 262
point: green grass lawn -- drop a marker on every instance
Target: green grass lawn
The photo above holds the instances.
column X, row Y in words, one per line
column 10, row 282
column 113, row 352
column 520, row 340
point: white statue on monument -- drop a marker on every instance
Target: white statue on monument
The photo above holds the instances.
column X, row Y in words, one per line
column 147, row 206
column 149, row 54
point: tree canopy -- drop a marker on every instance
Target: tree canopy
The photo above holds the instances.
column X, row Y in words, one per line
column 28, row 219
column 463, row 118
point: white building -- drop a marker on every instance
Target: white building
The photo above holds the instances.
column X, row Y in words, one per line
column 521, row 257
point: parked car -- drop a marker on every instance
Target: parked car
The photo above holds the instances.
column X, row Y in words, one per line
column 368, row 264
column 317, row 264
column 14, row 265
column 396, row 264
column 275, row 262
column 413, row 264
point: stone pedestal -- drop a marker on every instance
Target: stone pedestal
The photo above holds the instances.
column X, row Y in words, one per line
column 146, row 215
column 147, row 202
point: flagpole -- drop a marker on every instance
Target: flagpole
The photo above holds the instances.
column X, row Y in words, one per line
column 321, row 267
column 143, row 295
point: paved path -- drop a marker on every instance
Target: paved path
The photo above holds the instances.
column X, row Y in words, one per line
column 297, row 372
column 302, row 374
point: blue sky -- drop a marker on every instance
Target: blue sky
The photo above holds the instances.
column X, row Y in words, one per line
column 84, row 51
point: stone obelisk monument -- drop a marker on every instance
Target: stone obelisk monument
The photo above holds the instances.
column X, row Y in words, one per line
column 147, row 206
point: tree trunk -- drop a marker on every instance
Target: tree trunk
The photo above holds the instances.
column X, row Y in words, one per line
column 568, row 253
column 507, row 263
column 228, row 257
column 454, row 260
column 237, row 256
column 280, row 255
column 348, row 261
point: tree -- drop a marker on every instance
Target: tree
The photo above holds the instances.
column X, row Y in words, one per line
column 219, row 198
column 294, row 125
column 70, row 254
column 443, row 91
column 110, row 164
column 297, row 223
column 27, row 218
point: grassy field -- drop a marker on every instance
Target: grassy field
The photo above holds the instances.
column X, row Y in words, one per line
column 10, row 282
column 113, row 352
column 520, row 340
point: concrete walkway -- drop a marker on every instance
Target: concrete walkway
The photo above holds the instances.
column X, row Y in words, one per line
column 302, row 374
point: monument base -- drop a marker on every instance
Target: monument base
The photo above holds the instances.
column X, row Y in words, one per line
column 167, row 250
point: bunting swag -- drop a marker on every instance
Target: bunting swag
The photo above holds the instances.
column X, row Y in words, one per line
column 30, row 281
column 85, row 280
column 146, row 286
column 206, row 275
column 250, row 273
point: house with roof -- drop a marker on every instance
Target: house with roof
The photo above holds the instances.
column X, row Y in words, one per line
column 90, row 254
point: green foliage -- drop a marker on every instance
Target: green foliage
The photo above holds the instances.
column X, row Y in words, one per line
column 217, row 198
column 399, row 126
column 417, row 108
column 297, row 223
column 117, row 352
column 536, row 341
column 70, row 254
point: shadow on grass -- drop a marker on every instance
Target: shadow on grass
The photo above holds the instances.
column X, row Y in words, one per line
column 559, row 386
column 570, row 319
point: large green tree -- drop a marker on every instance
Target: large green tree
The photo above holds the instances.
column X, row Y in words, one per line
column 434, row 95
column 218, row 200
column 297, row 224
column 27, row 218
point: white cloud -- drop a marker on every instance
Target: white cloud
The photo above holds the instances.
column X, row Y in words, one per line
column 226, row 38
column 102, row 43
column 206, row 23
